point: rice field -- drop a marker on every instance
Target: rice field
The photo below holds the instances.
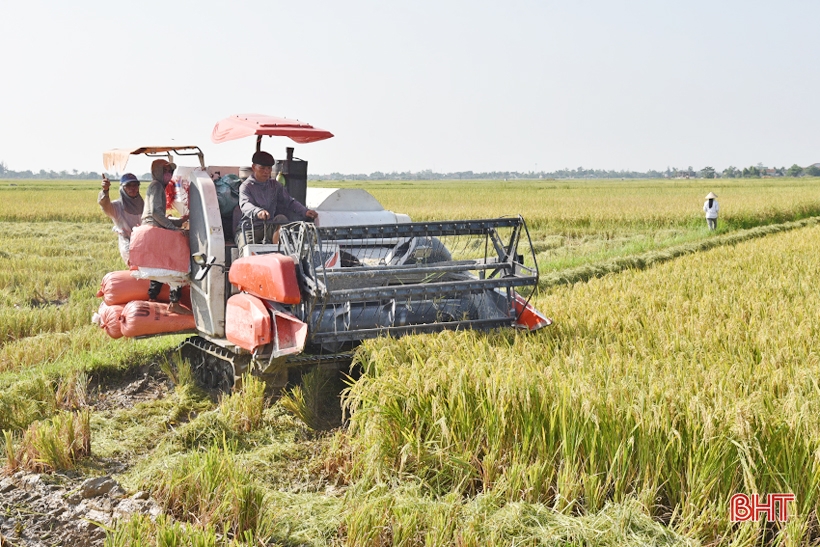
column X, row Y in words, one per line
column 663, row 388
column 572, row 223
column 674, row 387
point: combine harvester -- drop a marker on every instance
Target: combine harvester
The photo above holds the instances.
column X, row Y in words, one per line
column 358, row 272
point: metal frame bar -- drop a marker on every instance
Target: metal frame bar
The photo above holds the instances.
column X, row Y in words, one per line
column 454, row 266
column 419, row 229
column 426, row 290
column 177, row 151
column 353, row 335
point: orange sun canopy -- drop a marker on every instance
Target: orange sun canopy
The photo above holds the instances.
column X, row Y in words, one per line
column 246, row 125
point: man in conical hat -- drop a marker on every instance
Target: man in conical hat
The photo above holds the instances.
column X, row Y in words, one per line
column 711, row 208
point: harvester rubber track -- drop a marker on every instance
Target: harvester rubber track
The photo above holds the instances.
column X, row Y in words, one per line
column 320, row 359
column 214, row 367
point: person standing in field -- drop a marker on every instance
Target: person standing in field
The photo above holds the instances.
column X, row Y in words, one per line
column 126, row 212
column 154, row 214
column 711, row 208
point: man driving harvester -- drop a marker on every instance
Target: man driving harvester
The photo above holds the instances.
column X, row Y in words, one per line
column 264, row 205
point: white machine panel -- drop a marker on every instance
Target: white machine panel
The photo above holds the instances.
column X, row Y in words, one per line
column 349, row 207
column 207, row 295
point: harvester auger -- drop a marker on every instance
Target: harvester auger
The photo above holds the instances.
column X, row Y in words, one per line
column 358, row 272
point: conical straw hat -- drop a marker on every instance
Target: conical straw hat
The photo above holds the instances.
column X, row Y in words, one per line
column 711, row 196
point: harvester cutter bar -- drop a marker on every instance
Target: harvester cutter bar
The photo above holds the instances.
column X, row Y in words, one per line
column 362, row 334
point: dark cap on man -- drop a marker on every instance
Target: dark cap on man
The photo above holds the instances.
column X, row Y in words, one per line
column 262, row 158
column 129, row 178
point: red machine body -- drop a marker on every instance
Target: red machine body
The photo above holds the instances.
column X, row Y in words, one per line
column 247, row 322
column 270, row 277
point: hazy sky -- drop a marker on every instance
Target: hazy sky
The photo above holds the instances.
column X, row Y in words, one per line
column 447, row 85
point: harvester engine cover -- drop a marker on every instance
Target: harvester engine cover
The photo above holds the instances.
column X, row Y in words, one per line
column 270, row 277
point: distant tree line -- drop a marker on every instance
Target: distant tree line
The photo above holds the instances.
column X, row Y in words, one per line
column 429, row 174
column 758, row 171
column 7, row 173
column 754, row 171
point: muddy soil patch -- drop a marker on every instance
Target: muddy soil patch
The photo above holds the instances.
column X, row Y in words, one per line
column 49, row 510
column 145, row 383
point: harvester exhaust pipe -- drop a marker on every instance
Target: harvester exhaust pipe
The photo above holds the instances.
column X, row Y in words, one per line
column 295, row 173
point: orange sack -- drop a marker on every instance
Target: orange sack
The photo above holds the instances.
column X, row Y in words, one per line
column 153, row 247
column 140, row 318
column 121, row 288
column 110, row 319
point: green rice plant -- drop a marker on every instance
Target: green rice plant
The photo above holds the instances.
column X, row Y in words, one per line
column 209, row 488
column 140, row 531
column 312, row 401
column 27, row 401
column 12, row 461
column 177, row 369
column 54, row 444
column 294, row 402
column 17, row 324
column 243, row 410
column 32, row 394
column 176, row 534
column 72, row 391
column 95, row 354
